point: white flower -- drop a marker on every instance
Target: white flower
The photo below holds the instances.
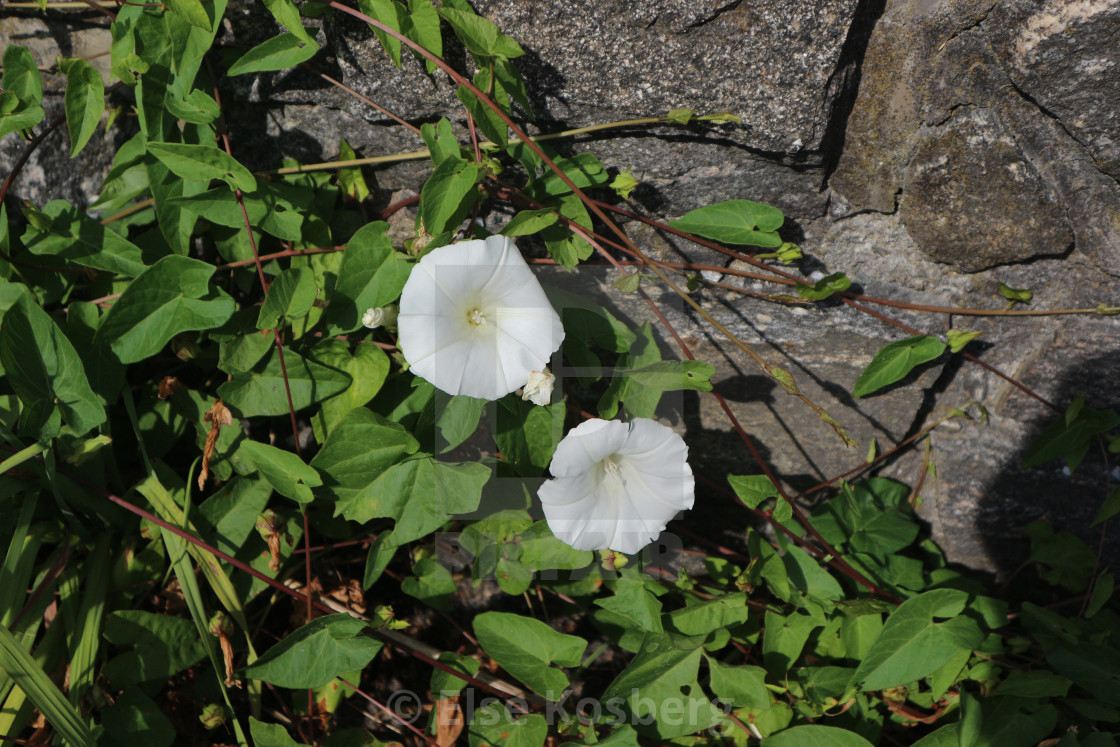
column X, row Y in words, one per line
column 616, row 486
column 475, row 321
column 386, row 316
column 538, row 389
column 711, row 275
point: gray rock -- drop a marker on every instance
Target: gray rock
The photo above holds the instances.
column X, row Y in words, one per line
column 992, row 169
column 971, row 174
column 882, row 130
column 1066, row 57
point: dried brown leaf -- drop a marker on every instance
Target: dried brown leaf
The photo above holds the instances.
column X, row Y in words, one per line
column 169, row 385
column 449, row 721
column 217, row 416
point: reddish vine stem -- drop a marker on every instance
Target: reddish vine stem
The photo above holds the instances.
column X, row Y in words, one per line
column 365, row 100
column 283, row 373
column 392, row 714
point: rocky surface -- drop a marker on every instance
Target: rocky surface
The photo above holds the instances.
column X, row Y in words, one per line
column 928, row 148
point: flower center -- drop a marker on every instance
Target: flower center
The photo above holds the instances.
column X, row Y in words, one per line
column 476, row 317
column 612, row 468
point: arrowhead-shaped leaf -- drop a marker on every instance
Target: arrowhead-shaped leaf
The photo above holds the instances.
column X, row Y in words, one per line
column 45, row 371
column 894, row 361
column 316, row 653
column 734, row 222
column 174, row 295
column 526, row 648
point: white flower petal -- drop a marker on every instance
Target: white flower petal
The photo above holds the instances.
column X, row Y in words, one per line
column 616, row 486
column 587, row 444
column 483, row 295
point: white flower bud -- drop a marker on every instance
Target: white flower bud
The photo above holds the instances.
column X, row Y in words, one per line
column 386, row 316
column 538, row 389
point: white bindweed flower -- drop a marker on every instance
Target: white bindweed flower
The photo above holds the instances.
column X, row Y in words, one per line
column 475, row 321
column 615, row 485
column 386, row 316
column 538, row 389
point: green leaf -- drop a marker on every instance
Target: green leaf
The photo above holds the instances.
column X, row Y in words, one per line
column 46, row 373
column 1069, row 436
column 493, row 724
column 278, row 53
column 1037, row 684
column 284, row 471
column 753, row 489
column 660, row 685
column 21, row 74
column 203, row 163
column 339, row 642
column 454, row 417
column 261, row 390
column 734, row 222
column 680, row 116
column 372, row 274
column 289, row 297
column 812, row 735
column 16, row 115
column 134, row 718
column 913, row 644
column 287, row 15
column 710, row 615
column 1019, row 295
column 425, row 30
column 85, row 103
column 584, row 169
column 1093, row 666
column 479, row 35
column 444, row 684
column 431, row 583
column 492, row 126
column 389, row 13
column 786, row 636
column 29, row 677
column 628, row 283
column 894, row 361
column 271, row 735
column 174, row 295
column 527, row 648
column 824, row 288
column 447, row 196
column 958, row 338
column 191, row 11
column 74, row 236
column 441, row 141
column 541, row 551
column 1109, row 508
column 742, row 687
column 633, row 602
column 351, row 181
column 367, row 365
column 624, row 184
column 527, row 433
column 529, row 222
column 420, row 494
column 359, row 449
column 668, row 376
column 161, row 646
